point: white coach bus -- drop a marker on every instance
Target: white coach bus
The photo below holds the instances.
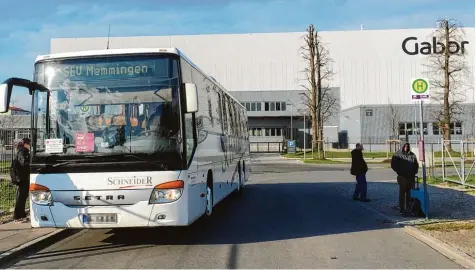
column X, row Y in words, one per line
column 130, row 138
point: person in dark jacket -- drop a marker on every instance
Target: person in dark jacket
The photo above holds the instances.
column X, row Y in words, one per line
column 22, row 174
column 359, row 169
column 405, row 164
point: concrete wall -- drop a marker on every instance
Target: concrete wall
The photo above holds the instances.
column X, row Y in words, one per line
column 371, row 66
column 330, row 132
column 350, row 130
column 294, row 97
column 371, row 124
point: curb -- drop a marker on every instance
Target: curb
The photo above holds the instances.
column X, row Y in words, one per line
column 448, row 251
column 7, row 256
column 439, row 246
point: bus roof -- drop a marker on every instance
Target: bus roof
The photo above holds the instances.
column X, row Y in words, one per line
column 173, row 50
column 107, row 52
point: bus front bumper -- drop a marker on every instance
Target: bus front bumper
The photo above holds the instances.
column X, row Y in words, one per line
column 141, row 214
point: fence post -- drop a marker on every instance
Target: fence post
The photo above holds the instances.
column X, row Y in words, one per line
column 462, row 162
column 432, row 162
column 443, row 169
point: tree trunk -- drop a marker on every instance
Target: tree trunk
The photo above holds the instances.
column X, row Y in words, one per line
column 312, row 76
column 320, row 148
column 446, row 96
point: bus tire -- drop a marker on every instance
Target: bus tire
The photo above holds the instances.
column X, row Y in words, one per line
column 209, row 195
column 244, row 173
column 239, row 189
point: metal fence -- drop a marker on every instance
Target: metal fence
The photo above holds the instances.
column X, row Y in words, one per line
column 266, row 147
column 457, row 166
column 8, row 139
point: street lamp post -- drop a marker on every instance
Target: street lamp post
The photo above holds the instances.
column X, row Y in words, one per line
column 290, row 104
column 292, row 133
column 304, row 136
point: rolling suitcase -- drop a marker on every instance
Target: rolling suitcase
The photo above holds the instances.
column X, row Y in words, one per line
column 417, row 203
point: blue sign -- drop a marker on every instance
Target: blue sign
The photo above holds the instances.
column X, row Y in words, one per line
column 291, row 143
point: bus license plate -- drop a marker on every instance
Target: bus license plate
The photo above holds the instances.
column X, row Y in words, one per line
column 99, row 218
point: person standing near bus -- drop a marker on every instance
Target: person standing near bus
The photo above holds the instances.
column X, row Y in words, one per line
column 405, row 164
column 359, row 169
column 21, row 177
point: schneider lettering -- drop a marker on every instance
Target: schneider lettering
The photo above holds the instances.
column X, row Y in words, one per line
column 119, row 181
column 411, row 47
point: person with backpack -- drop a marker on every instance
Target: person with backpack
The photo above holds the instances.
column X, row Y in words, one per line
column 405, row 164
column 20, row 176
column 359, row 169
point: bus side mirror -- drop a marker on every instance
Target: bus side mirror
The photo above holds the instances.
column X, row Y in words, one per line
column 191, row 96
column 5, row 91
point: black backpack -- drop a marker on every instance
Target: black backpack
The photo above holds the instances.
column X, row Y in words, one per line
column 414, row 209
column 15, row 172
column 15, row 169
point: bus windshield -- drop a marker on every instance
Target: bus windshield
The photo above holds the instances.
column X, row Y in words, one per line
column 107, row 106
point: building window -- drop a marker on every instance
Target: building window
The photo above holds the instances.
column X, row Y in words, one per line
column 368, row 112
column 455, row 129
column 274, row 106
column 411, row 128
column 436, row 129
column 254, row 132
column 401, row 128
column 425, row 129
column 253, row 106
column 273, row 132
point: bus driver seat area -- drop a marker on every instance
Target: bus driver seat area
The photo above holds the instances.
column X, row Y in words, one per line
column 115, row 134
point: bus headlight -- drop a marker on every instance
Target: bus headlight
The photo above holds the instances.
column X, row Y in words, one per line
column 40, row 195
column 167, row 192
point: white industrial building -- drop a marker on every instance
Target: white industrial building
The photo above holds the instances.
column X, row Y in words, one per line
column 262, row 70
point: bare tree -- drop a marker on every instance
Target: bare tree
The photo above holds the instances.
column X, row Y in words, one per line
column 7, row 123
column 392, row 119
column 470, row 125
column 448, row 72
column 10, row 120
column 319, row 100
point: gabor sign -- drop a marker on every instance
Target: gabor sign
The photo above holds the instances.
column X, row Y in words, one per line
column 411, row 46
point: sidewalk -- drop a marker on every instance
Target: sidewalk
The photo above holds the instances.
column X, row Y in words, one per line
column 15, row 237
column 450, row 220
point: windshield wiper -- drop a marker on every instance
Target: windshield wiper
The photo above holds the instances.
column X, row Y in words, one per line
column 74, row 161
column 63, row 163
column 161, row 165
column 104, row 158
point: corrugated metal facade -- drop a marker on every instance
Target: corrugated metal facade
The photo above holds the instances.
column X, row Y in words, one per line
column 372, row 124
column 370, row 65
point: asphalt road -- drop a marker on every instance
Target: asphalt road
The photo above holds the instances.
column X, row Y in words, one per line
column 291, row 219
